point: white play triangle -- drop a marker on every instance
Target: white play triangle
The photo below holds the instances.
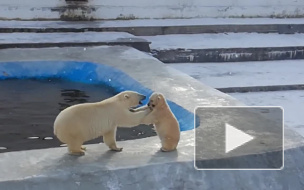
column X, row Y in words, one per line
column 235, row 137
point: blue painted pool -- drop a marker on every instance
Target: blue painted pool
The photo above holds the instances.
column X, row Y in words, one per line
column 90, row 73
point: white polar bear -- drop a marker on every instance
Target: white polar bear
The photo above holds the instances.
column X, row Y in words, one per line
column 83, row 122
column 164, row 121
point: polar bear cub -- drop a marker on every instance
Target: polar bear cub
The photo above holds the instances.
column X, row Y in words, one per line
column 164, row 121
column 83, row 122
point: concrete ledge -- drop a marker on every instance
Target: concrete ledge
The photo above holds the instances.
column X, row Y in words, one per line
column 173, row 173
column 266, row 88
column 137, row 44
column 228, row 54
column 140, row 165
column 32, row 40
column 228, row 47
column 159, row 27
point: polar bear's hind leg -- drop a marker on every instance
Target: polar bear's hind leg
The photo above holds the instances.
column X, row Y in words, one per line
column 76, row 149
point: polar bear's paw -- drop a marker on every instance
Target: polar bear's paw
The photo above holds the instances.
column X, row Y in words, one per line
column 132, row 110
column 116, row 149
column 80, row 153
column 163, row 149
column 166, row 150
column 83, row 148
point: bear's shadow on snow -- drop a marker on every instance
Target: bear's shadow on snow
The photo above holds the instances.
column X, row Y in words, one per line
column 106, row 156
column 160, row 156
column 73, row 164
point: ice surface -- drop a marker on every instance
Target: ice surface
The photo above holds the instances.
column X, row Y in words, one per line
column 291, row 101
column 240, row 74
column 257, row 74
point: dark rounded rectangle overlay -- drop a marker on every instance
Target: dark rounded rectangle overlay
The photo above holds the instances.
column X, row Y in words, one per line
column 239, row 138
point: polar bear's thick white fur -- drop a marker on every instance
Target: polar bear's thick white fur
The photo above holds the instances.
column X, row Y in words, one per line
column 83, row 122
column 164, row 121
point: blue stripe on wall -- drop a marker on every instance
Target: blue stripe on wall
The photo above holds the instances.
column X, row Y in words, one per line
column 91, row 73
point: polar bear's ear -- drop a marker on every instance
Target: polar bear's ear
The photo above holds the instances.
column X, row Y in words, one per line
column 126, row 96
column 160, row 97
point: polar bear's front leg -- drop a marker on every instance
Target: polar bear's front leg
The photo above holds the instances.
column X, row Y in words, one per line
column 142, row 108
column 132, row 119
column 148, row 117
column 110, row 140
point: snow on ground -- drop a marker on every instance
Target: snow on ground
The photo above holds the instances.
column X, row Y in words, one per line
column 61, row 37
column 240, row 74
column 224, row 40
column 291, row 101
column 254, row 74
column 149, row 22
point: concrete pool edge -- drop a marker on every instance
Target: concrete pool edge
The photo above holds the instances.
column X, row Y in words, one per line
column 175, row 175
column 139, row 165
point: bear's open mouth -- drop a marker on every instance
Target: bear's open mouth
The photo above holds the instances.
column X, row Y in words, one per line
column 134, row 107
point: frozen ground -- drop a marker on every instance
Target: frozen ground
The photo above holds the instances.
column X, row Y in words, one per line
column 257, row 74
column 61, row 37
column 291, row 101
column 149, row 22
column 224, row 40
column 240, row 74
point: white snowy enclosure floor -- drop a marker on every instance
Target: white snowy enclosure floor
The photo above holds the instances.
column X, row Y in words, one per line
column 6, row 38
column 291, row 101
column 242, row 74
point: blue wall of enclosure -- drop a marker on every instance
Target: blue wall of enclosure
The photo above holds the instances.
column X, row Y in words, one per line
column 91, row 73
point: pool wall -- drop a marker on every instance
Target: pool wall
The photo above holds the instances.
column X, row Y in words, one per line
column 90, row 73
column 140, row 165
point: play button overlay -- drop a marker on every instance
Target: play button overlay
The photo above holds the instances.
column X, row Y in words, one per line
column 239, row 138
column 235, row 138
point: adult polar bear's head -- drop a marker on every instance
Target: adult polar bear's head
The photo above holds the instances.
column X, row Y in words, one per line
column 130, row 98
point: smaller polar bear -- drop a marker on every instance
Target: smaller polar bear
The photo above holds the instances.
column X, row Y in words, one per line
column 83, row 122
column 164, row 121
